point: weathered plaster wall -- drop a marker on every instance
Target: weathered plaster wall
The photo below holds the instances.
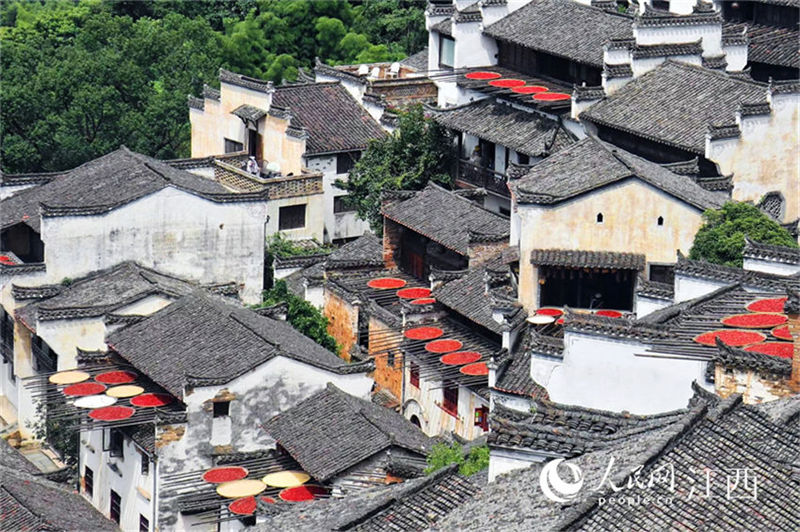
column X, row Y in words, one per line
column 172, row 231
column 337, row 225
column 281, row 148
column 342, row 322
column 646, row 305
column 122, row 474
column 630, row 211
column 764, row 157
column 382, row 342
column 505, row 460
column 754, row 387
column 767, row 266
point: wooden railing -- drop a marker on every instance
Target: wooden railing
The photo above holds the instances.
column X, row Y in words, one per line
column 483, row 177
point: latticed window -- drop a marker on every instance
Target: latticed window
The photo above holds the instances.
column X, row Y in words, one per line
column 450, row 403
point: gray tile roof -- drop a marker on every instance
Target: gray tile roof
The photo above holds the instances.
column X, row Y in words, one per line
column 30, row 503
column 332, row 431
column 408, row 506
column 733, row 357
column 655, row 289
column 716, row 435
column 570, row 431
column 445, row 27
column 475, row 294
column 98, row 293
column 203, row 340
column 244, row 81
column 563, row 28
column 757, row 250
column 522, row 131
column 335, row 122
column 515, row 376
column 417, row 61
column 365, row 251
column 729, row 274
column 675, row 104
column 588, row 259
column 701, row 15
column 480, row 85
column 249, row 112
column 447, row 218
column 667, row 50
column 104, row 184
column 591, row 164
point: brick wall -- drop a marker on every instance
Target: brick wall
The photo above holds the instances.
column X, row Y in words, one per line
column 392, row 234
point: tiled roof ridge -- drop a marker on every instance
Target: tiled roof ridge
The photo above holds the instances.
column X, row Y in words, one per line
column 734, row 357
column 695, row 417
column 759, row 250
column 37, row 178
column 692, row 166
column 655, row 17
column 655, row 289
column 210, row 92
column 556, row 410
column 665, row 50
column 734, row 275
column 615, row 327
column 673, row 311
column 247, row 82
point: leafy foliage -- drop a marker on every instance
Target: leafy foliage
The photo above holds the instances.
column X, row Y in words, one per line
column 81, row 78
column 303, row 316
column 417, row 152
column 442, row 455
column 721, row 238
column 60, row 433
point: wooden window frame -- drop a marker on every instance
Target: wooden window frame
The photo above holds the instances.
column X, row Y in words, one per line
column 288, row 216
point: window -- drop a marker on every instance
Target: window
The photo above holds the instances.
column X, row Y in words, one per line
column 482, row 418
column 114, row 442
column 662, row 273
column 44, row 359
column 231, row 146
column 292, row 217
column 222, row 408
column 413, row 374
column 523, row 159
column 504, row 211
column 145, row 460
column 88, row 482
column 390, row 358
column 450, row 403
column 346, row 161
column 340, row 204
column 144, row 524
column 599, row 217
column 447, row 52
column 660, row 220
column 115, row 506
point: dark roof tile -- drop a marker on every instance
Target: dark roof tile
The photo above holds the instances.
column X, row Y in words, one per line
column 447, row 218
column 332, row 431
column 759, row 251
column 587, row 259
column 365, row 251
column 675, row 104
column 563, row 28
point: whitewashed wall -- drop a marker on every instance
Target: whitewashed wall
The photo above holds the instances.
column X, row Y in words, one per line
column 768, row 266
column 170, row 230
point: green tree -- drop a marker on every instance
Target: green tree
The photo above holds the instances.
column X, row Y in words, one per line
column 418, row 151
column 330, row 32
column 442, row 455
column 393, row 22
column 721, row 238
column 302, row 315
column 60, row 433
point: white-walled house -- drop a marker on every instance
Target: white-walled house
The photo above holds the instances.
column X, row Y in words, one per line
column 293, row 129
column 233, row 369
column 127, row 206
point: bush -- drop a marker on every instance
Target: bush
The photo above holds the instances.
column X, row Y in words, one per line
column 721, row 238
column 442, row 455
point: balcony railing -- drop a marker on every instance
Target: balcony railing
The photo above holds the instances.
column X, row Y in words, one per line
column 483, row 177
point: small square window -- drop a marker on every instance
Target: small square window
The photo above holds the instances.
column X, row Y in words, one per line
column 145, row 461
column 341, row 204
column 222, row 408
column 346, row 161
column 232, row 146
column 292, row 217
column 114, row 442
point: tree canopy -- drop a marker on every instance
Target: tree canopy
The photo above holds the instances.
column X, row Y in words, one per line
column 81, row 78
column 418, row 151
column 721, row 238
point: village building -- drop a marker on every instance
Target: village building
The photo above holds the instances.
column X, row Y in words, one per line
column 31, row 502
column 492, row 137
column 290, row 130
column 735, row 126
column 436, row 228
column 719, row 436
column 55, row 322
column 383, row 88
column 203, row 367
column 378, row 446
column 592, row 216
column 127, row 206
column 772, row 35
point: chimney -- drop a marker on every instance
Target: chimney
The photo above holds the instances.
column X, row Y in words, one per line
column 792, row 310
